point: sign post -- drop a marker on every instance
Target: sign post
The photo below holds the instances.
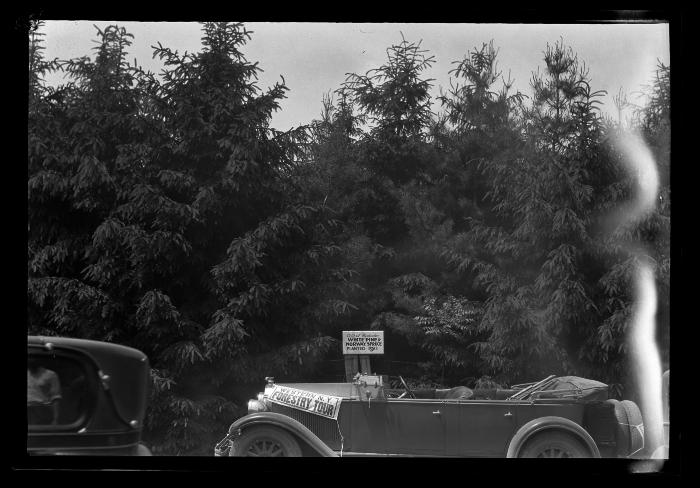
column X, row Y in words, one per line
column 357, row 346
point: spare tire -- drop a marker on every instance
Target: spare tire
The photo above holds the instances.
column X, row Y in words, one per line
column 636, row 427
column 622, row 431
column 660, row 452
column 665, row 379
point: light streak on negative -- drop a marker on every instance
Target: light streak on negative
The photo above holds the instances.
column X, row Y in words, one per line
column 644, row 351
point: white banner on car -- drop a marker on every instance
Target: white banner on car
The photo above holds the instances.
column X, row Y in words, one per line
column 308, row 401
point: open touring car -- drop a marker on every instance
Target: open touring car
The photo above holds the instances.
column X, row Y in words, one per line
column 554, row 417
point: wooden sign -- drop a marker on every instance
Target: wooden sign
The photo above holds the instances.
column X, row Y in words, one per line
column 363, row 342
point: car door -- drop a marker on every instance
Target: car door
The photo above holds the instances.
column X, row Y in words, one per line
column 479, row 428
column 61, row 398
column 415, row 426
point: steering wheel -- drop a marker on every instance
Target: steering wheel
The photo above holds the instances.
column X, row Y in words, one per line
column 408, row 390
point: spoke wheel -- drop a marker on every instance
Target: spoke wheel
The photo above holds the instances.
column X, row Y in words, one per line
column 554, row 445
column 554, row 453
column 265, row 448
column 265, row 442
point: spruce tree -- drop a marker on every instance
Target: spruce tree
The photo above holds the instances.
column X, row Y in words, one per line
column 162, row 215
column 392, row 193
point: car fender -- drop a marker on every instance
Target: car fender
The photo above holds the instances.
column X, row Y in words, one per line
column 542, row 424
column 143, row 450
column 284, row 422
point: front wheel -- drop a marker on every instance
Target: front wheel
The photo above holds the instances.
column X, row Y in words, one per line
column 265, row 442
column 554, row 445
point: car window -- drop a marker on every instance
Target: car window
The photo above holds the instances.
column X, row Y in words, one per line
column 58, row 391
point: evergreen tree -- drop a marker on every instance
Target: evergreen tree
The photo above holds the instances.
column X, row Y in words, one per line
column 622, row 246
column 528, row 253
column 484, row 125
column 396, row 99
column 388, row 188
column 166, row 214
column 162, row 216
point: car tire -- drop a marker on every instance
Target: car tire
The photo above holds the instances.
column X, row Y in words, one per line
column 265, row 441
column 554, row 444
column 622, row 430
column 142, row 450
column 635, row 427
column 660, row 452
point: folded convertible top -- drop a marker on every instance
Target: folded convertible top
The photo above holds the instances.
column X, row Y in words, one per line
column 583, row 388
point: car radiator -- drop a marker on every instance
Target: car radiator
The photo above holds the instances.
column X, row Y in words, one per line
column 324, row 428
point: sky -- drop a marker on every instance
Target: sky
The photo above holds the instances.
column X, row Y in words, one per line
column 315, row 57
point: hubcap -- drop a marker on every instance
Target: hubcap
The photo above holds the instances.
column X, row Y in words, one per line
column 265, row 448
column 553, row 452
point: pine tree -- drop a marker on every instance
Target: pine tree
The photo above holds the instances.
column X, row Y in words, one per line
column 483, row 125
column 528, row 251
column 621, row 246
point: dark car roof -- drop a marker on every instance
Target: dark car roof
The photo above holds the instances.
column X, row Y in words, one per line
column 128, row 369
column 97, row 349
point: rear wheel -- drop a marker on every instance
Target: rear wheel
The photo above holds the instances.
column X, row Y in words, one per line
column 265, row 442
column 554, row 445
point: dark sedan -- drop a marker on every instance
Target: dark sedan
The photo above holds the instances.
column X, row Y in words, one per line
column 85, row 397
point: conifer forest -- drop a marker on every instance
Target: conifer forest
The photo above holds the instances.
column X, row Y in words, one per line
column 473, row 228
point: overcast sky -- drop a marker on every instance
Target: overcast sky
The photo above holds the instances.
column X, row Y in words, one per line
column 315, row 57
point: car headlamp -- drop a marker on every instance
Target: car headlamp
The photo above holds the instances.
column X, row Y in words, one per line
column 256, row 406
